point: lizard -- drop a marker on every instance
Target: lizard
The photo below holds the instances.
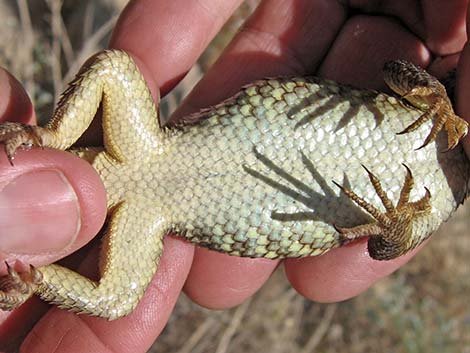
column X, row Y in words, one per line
column 287, row 167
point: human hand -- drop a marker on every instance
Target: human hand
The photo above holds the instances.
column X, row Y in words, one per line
column 282, row 38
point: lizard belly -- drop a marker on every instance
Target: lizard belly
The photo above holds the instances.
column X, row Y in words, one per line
column 254, row 177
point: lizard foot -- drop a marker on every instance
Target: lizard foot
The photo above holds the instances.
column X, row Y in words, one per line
column 391, row 234
column 425, row 92
column 16, row 288
column 14, row 135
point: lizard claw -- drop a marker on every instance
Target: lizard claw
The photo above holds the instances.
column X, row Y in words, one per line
column 426, row 93
column 15, row 135
column 457, row 129
column 17, row 287
column 390, row 234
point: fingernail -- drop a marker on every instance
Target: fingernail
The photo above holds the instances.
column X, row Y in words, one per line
column 39, row 213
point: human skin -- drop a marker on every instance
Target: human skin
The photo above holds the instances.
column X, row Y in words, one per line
column 281, row 38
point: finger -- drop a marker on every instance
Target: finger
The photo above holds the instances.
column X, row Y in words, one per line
column 51, row 204
column 339, row 274
column 463, row 87
column 440, row 24
column 47, row 209
column 281, row 38
column 271, row 43
column 15, row 104
column 357, row 57
column 167, row 37
column 60, row 331
column 220, row 281
column 440, row 67
column 15, row 325
column 344, row 273
column 445, row 25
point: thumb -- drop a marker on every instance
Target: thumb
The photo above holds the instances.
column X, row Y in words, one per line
column 51, row 203
column 39, row 213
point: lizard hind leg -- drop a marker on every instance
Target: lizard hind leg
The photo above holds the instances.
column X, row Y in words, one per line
column 132, row 246
column 391, row 233
column 130, row 253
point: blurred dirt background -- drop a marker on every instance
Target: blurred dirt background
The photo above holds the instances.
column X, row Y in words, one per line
column 424, row 307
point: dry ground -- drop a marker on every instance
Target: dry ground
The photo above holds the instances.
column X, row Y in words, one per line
column 423, row 307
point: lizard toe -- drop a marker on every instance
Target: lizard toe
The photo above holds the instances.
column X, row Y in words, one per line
column 457, row 129
column 391, row 233
column 16, row 135
column 17, row 287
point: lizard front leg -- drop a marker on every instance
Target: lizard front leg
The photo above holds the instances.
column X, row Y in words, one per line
column 425, row 92
column 130, row 119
